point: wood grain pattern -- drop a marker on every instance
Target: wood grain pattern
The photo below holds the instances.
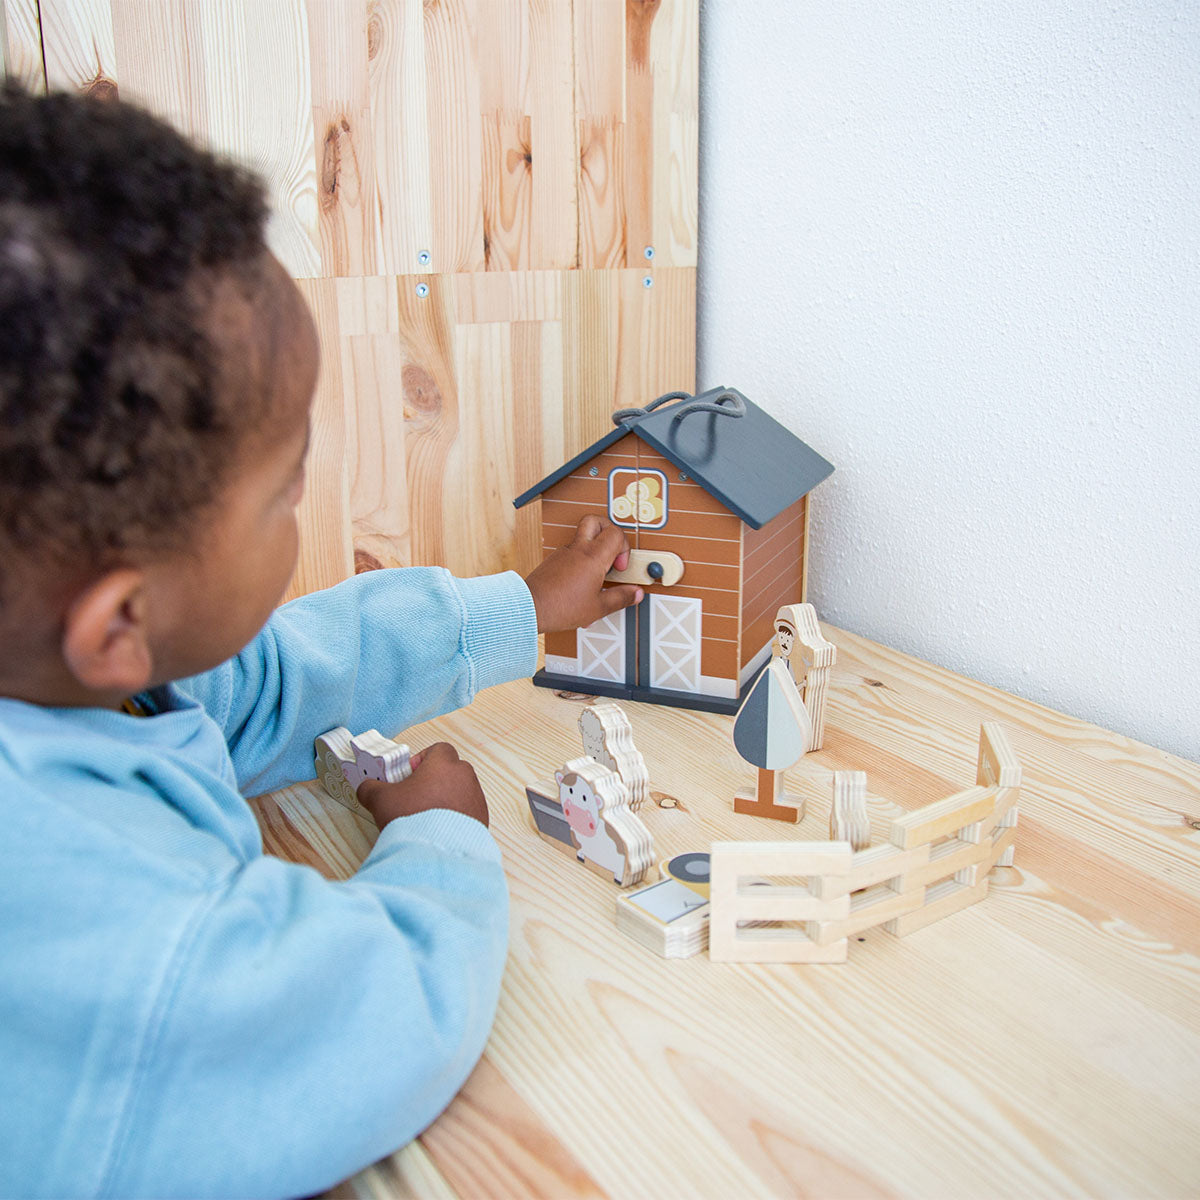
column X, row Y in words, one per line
column 1051, row 1031
column 343, row 133
column 80, row 48
column 21, row 44
column 490, row 151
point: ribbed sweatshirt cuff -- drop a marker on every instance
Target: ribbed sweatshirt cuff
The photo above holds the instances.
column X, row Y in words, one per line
column 450, row 831
column 500, row 631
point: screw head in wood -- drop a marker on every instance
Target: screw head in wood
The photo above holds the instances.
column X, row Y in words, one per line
column 422, row 290
column 648, row 253
column 423, row 258
column 648, row 281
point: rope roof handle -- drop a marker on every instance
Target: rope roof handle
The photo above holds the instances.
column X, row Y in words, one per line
column 727, row 404
column 622, row 415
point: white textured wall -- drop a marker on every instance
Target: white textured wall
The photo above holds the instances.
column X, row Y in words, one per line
column 956, row 247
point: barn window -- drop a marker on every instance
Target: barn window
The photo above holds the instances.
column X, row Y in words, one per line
column 637, row 498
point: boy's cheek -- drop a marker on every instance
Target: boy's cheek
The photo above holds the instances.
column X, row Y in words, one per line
column 296, row 494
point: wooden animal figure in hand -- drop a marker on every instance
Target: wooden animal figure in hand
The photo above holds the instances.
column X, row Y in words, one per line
column 608, row 738
column 343, row 761
column 608, row 837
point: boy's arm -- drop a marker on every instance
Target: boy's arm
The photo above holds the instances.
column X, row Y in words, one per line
column 383, row 650
column 388, row 649
column 305, row 1029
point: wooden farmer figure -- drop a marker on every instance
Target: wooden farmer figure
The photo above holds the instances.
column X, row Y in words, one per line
column 796, row 627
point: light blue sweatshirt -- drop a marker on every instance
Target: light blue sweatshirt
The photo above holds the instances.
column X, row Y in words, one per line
column 181, row 1015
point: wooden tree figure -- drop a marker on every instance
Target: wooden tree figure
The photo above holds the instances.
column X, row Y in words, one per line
column 771, row 731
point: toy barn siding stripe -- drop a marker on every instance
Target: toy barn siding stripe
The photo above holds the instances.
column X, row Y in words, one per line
column 772, row 575
column 726, row 495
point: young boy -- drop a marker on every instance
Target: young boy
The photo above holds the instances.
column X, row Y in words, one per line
column 180, row 1015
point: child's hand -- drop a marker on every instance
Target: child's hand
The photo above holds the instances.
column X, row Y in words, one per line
column 439, row 779
column 567, row 588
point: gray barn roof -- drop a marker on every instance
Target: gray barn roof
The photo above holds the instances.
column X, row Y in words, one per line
column 751, row 463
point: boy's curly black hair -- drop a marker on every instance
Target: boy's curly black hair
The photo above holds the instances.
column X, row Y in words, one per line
column 114, row 432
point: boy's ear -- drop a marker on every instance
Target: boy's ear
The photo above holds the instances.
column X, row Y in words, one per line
column 106, row 640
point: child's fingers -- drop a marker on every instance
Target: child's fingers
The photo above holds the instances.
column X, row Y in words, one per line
column 622, row 596
column 604, row 540
column 589, row 528
column 434, row 752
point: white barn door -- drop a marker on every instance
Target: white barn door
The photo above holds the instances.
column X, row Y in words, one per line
column 675, row 627
column 602, row 649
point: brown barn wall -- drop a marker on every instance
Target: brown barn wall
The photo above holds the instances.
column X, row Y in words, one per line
column 581, row 492
column 772, row 575
column 719, row 660
column 565, row 502
column 763, row 545
column 562, row 644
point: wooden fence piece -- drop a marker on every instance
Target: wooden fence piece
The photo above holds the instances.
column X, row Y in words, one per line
column 941, row 900
column 848, row 817
column 943, row 817
column 868, row 908
column 936, row 862
column 739, row 893
column 998, row 766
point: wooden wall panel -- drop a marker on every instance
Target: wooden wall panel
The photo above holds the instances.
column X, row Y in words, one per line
column 467, row 190
column 400, row 134
column 344, row 137
column 80, row 46
column 21, row 43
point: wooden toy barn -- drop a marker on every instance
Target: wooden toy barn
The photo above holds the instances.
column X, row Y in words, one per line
column 713, row 494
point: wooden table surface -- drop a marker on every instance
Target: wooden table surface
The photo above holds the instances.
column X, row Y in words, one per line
column 1045, row 1042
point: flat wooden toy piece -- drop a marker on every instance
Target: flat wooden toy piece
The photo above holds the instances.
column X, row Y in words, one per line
column 343, row 760
column 669, row 917
column 999, row 766
column 943, row 818
column 608, row 738
column 743, row 897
